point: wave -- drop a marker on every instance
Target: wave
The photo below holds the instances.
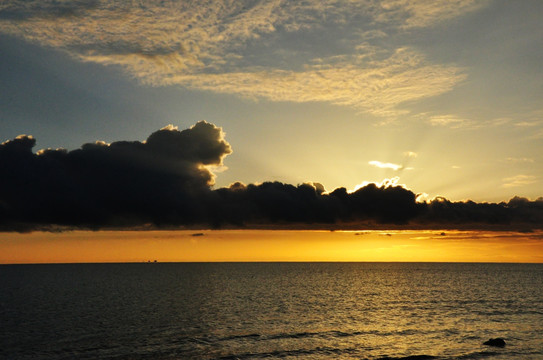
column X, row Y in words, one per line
column 315, row 334
column 328, row 352
column 241, row 337
column 334, row 352
column 319, row 351
column 410, row 357
column 318, row 334
column 478, row 355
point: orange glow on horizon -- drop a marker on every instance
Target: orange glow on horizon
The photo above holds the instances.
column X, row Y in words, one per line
column 270, row 245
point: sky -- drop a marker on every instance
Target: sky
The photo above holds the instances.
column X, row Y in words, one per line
column 255, row 245
column 442, row 96
column 321, row 114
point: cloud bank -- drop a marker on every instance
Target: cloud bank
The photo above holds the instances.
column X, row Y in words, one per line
column 167, row 181
column 160, row 179
column 245, row 47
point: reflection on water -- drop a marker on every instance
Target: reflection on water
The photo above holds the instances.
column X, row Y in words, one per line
column 258, row 310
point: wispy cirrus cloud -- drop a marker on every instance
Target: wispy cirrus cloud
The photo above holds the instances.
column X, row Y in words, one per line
column 424, row 13
column 375, row 87
column 240, row 47
column 517, row 160
column 519, row 180
column 448, row 120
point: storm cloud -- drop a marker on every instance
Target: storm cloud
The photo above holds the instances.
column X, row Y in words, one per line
column 122, row 183
column 167, row 181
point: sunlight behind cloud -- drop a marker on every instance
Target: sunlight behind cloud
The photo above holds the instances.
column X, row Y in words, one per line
column 385, row 183
column 383, row 165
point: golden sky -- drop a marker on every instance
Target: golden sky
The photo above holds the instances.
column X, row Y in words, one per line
column 441, row 99
column 265, row 245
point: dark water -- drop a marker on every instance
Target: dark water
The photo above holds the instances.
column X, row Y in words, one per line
column 271, row 310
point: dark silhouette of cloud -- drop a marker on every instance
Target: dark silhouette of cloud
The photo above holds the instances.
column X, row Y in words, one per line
column 124, row 183
column 166, row 182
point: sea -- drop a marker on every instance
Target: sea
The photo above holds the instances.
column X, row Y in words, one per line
column 271, row 310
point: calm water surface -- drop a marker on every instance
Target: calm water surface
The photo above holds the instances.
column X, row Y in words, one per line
column 271, row 310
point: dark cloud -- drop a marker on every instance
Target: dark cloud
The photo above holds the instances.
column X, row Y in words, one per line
column 278, row 203
column 518, row 213
column 125, row 183
column 165, row 181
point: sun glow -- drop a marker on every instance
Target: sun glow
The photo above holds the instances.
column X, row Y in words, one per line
column 385, row 183
column 275, row 245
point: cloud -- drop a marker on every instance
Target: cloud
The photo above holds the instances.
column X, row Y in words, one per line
column 166, row 182
column 217, row 46
column 425, row 13
column 519, row 160
column 531, row 119
column 377, row 87
column 519, row 180
column 275, row 203
column 410, row 154
column 389, row 182
column 518, row 213
column 527, row 124
column 156, row 180
column 451, row 121
column 383, row 165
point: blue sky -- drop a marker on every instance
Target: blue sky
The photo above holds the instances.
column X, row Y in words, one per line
column 442, row 96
